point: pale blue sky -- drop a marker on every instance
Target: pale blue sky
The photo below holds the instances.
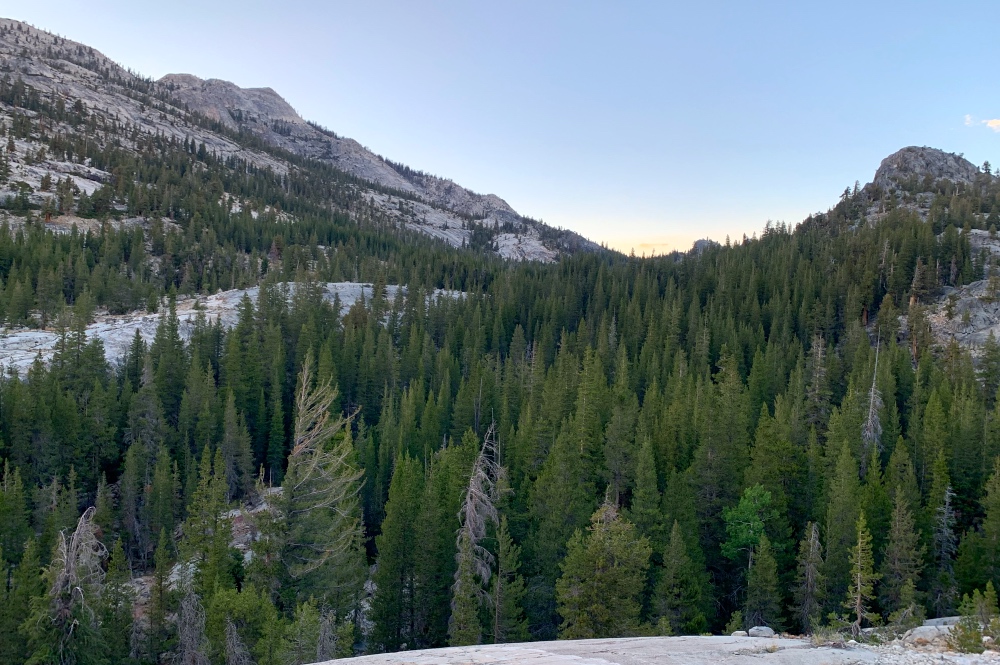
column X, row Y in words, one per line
column 639, row 124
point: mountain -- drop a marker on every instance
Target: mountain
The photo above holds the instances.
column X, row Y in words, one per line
column 222, row 115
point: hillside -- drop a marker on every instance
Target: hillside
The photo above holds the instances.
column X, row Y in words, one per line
column 233, row 122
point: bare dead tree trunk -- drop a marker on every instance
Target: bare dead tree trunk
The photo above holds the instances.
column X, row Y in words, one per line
column 192, row 646
column 236, row 651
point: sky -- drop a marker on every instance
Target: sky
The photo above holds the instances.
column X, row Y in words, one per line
column 642, row 125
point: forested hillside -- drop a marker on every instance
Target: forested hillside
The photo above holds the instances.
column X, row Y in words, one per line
column 762, row 432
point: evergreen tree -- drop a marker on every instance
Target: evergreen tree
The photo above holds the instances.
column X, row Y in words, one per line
column 163, row 495
column 680, row 593
column 115, row 608
column 302, row 636
column 160, row 603
column 810, row 582
column 393, row 611
column 319, row 501
column 602, row 578
column 27, row 583
column 944, row 542
column 644, row 512
column 146, row 425
column 464, row 626
column 903, row 558
column 841, row 520
column 509, row 624
column 14, row 527
column 619, row 435
column 861, row 590
column 237, row 455
column 206, row 531
column 763, row 601
column 979, row 553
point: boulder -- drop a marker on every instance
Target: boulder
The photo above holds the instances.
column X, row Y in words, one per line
column 927, row 635
column 739, row 633
column 761, row 631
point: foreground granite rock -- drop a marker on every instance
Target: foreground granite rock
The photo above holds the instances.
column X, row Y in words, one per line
column 675, row 651
column 632, row 651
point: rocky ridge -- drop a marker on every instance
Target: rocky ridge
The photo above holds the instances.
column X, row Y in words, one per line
column 63, row 69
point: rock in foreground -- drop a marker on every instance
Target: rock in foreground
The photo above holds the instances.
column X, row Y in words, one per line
column 673, row 651
column 632, row 651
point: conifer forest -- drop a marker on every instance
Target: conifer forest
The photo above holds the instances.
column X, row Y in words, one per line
column 761, row 432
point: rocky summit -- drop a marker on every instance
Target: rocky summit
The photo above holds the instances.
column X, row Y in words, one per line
column 924, row 164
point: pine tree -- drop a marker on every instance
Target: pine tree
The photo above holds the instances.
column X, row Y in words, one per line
column 763, row 601
column 645, row 510
column 903, row 558
column 602, row 578
column 979, row 554
column 941, row 512
column 27, row 582
column 989, row 369
column 146, row 425
column 115, row 607
column 679, row 598
column 875, row 502
column 508, row 622
column 778, row 466
column 810, row 582
column 619, row 436
column 861, row 590
column 161, row 501
column 236, row 452
column 719, row 460
column 393, row 611
column 446, row 481
column 302, row 636
column 464, row 626
column 561, row 499
column 841, row 520
column 14, row 527
column 206, row 531
column 319, row 502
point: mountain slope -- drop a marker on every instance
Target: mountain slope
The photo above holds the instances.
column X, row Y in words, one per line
column 232, row 121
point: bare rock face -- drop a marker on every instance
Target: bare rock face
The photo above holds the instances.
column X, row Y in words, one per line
column 921, row 163
column 217, row 100
column 265, row 113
